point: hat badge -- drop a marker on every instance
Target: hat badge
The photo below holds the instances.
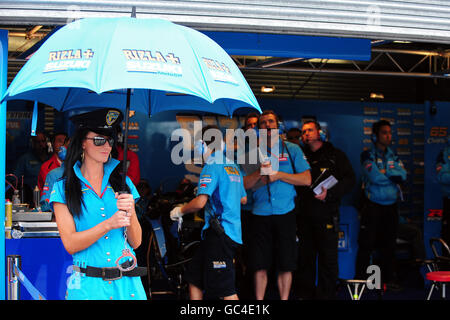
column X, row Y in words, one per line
column 111, row 117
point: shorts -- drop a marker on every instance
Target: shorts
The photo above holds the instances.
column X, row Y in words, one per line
column 212, row 267
column 273, row 243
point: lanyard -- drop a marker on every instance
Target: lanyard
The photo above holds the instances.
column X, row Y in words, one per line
column 272, row 155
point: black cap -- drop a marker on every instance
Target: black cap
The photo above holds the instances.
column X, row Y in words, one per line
column 103, row 121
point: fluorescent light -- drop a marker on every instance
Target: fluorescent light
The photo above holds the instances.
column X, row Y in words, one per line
column 374, row 95
column 267, row 89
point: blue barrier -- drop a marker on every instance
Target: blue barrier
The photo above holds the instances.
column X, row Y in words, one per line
column 46, row 264
column 35, row 294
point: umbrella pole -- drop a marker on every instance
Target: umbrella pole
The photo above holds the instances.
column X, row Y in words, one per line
column 125, row 141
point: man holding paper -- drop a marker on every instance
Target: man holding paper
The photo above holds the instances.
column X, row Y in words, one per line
column 318, row 218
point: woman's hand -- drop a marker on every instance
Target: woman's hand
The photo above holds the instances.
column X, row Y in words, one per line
column 118, row 220
column 125, row 202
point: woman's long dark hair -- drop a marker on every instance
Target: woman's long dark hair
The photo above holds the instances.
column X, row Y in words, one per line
column 74, row 196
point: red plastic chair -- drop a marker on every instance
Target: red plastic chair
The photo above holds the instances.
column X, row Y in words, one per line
column 440, row 279
column 441, row 262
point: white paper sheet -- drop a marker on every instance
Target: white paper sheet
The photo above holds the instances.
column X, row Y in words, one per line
column 328, row 183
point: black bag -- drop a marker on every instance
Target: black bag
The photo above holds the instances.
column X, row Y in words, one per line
column 216, row 226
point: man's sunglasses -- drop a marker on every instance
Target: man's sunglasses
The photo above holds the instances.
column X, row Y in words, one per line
column 99, row 141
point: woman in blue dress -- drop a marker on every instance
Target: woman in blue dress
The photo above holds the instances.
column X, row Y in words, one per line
column 95, row 222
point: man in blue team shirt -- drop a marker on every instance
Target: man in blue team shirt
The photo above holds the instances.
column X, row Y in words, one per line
column 273, row 228
column 221, row 192
column 443, row 175
column 29, row 165
column 52, row 176
column 382, row 174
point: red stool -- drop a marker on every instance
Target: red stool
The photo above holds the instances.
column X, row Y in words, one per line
column 438, row 278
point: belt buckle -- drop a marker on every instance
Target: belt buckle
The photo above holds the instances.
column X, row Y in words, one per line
column 111, row 279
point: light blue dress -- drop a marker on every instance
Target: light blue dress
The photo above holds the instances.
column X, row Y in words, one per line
column 105, row 251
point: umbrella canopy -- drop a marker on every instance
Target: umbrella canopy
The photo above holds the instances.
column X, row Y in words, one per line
column 91, row 62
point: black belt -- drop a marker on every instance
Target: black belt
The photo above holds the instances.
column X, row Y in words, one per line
column 111, row 273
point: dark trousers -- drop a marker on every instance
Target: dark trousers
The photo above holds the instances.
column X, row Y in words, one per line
column 244, row 276
column 378, row 231
column 413, row 235
column 318, row 242
column 445, row 230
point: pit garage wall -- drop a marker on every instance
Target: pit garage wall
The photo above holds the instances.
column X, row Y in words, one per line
column 348, row 124
column 437, row 122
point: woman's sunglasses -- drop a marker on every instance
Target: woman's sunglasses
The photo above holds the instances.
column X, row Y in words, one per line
column 99, row 141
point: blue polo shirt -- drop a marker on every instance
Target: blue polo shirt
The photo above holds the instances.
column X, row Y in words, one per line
column 50, row 180
column 282, row 194
column 105, row 251
column 224, row 185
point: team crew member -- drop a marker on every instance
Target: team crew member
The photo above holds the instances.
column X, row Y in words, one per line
column 54, row 162
column 251, row 121
column 221, row 192
column 294, row 135
column 52, row 177
column 29, row 165
column 273, row 228
column 443, row 175
column 382, row 172
column 245, row 278
column 319, row 215
column 91, row 215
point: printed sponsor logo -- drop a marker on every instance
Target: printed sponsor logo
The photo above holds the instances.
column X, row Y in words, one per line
column 219, row 264
column 434, row 214
column 152, row 62
column 66, row 60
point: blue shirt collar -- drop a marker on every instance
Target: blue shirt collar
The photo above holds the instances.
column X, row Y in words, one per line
column 108, row 168
column 379, row 152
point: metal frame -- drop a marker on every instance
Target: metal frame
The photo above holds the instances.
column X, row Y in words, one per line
column 436, row 61
column 390, row 20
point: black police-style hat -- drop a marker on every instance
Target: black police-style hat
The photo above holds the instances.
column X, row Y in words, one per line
column 102, row 121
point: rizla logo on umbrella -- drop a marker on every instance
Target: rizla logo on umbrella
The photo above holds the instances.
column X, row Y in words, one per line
column 74, row 59
column 219, row 71
column 156, row 62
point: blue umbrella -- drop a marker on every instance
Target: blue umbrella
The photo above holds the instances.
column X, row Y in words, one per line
column 148, row 65
column 91, row 62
